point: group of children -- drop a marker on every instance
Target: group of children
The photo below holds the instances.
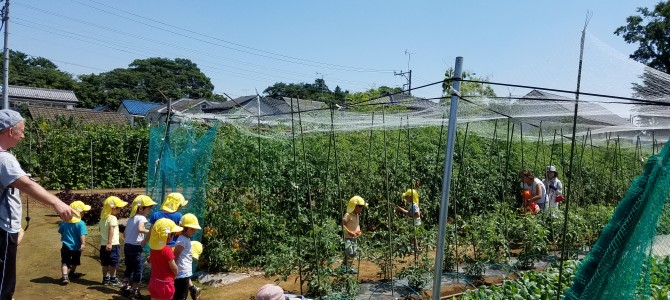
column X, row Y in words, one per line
column 167, row 232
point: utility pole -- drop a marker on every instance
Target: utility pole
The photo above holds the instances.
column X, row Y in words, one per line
column 408, row 77
column 323, row 88
column 5, row 57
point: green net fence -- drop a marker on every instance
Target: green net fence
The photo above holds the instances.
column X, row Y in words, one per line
column 615, row 268
column 179, row 159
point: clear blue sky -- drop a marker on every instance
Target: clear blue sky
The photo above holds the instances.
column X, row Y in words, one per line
column 248, row 45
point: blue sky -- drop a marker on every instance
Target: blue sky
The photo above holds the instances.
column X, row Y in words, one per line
column 248, row 45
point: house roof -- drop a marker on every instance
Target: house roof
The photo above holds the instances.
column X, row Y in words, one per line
column 182, row 104
column 651, row 111
column 304, row 104
column 268, row 106
column 138, row 108
column 409, row 101
column 41, row 94
column 589, row 113
column 85, row 115
column 236, row 102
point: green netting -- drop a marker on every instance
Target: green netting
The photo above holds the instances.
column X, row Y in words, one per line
column 614, row 269
column 179, row 162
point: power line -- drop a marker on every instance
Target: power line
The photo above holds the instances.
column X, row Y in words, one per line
column 268, row 55
column 140, row 52
column 143, row 38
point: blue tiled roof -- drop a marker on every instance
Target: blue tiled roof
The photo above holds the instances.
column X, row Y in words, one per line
column 136, row 107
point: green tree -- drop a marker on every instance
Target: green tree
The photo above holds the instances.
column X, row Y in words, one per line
column 146, row 79
column 363, row 98
column 318, row 91
column 360, row 97
column 26, row 70
column 651, row 30
column 473, row 89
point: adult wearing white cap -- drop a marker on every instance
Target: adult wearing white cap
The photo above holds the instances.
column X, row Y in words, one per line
column 554, row 187
column 12, row 180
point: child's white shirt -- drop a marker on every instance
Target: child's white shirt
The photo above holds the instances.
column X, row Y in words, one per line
column 185, row 259
column 132, row 233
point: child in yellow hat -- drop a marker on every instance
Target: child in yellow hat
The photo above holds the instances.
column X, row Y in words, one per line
column 412, row 198
column 182, row 251
column 351, row 230
column 162, row 259
column 110, row 251
column 196, row 251
column 73, row 235
column 132, row 249
column 169, row 209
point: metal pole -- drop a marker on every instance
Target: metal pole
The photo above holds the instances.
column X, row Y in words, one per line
column 5, row 58
column 446, row 180
column 571, row 172
column 295, row 193
column 409, row 85
column 137, row 160
column 260, row 162
column 166, row 143
column 92, row 176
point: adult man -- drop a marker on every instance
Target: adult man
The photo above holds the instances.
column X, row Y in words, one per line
column 12, row 180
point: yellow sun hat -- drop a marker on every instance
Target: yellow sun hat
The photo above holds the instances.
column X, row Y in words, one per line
column 190, row 221
column 413, row 193
column 196, row 249
column 173, row 201
column 141, row 201
column 355, row 201
column 110, row 203
column 160, row 233
column 79, row 207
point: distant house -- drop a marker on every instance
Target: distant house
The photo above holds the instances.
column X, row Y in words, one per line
column 158, row 114
column 31, row 96
column 653, row 121
column 650, row 116
column 555, row 110
column 408, row 101
column 267, row 106
column 135, row 109
column 78, row 114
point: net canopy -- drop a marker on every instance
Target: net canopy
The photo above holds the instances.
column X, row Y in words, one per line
column 618, row 98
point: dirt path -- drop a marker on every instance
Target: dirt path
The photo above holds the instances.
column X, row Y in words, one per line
column 39, row 266
column 38, row 262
